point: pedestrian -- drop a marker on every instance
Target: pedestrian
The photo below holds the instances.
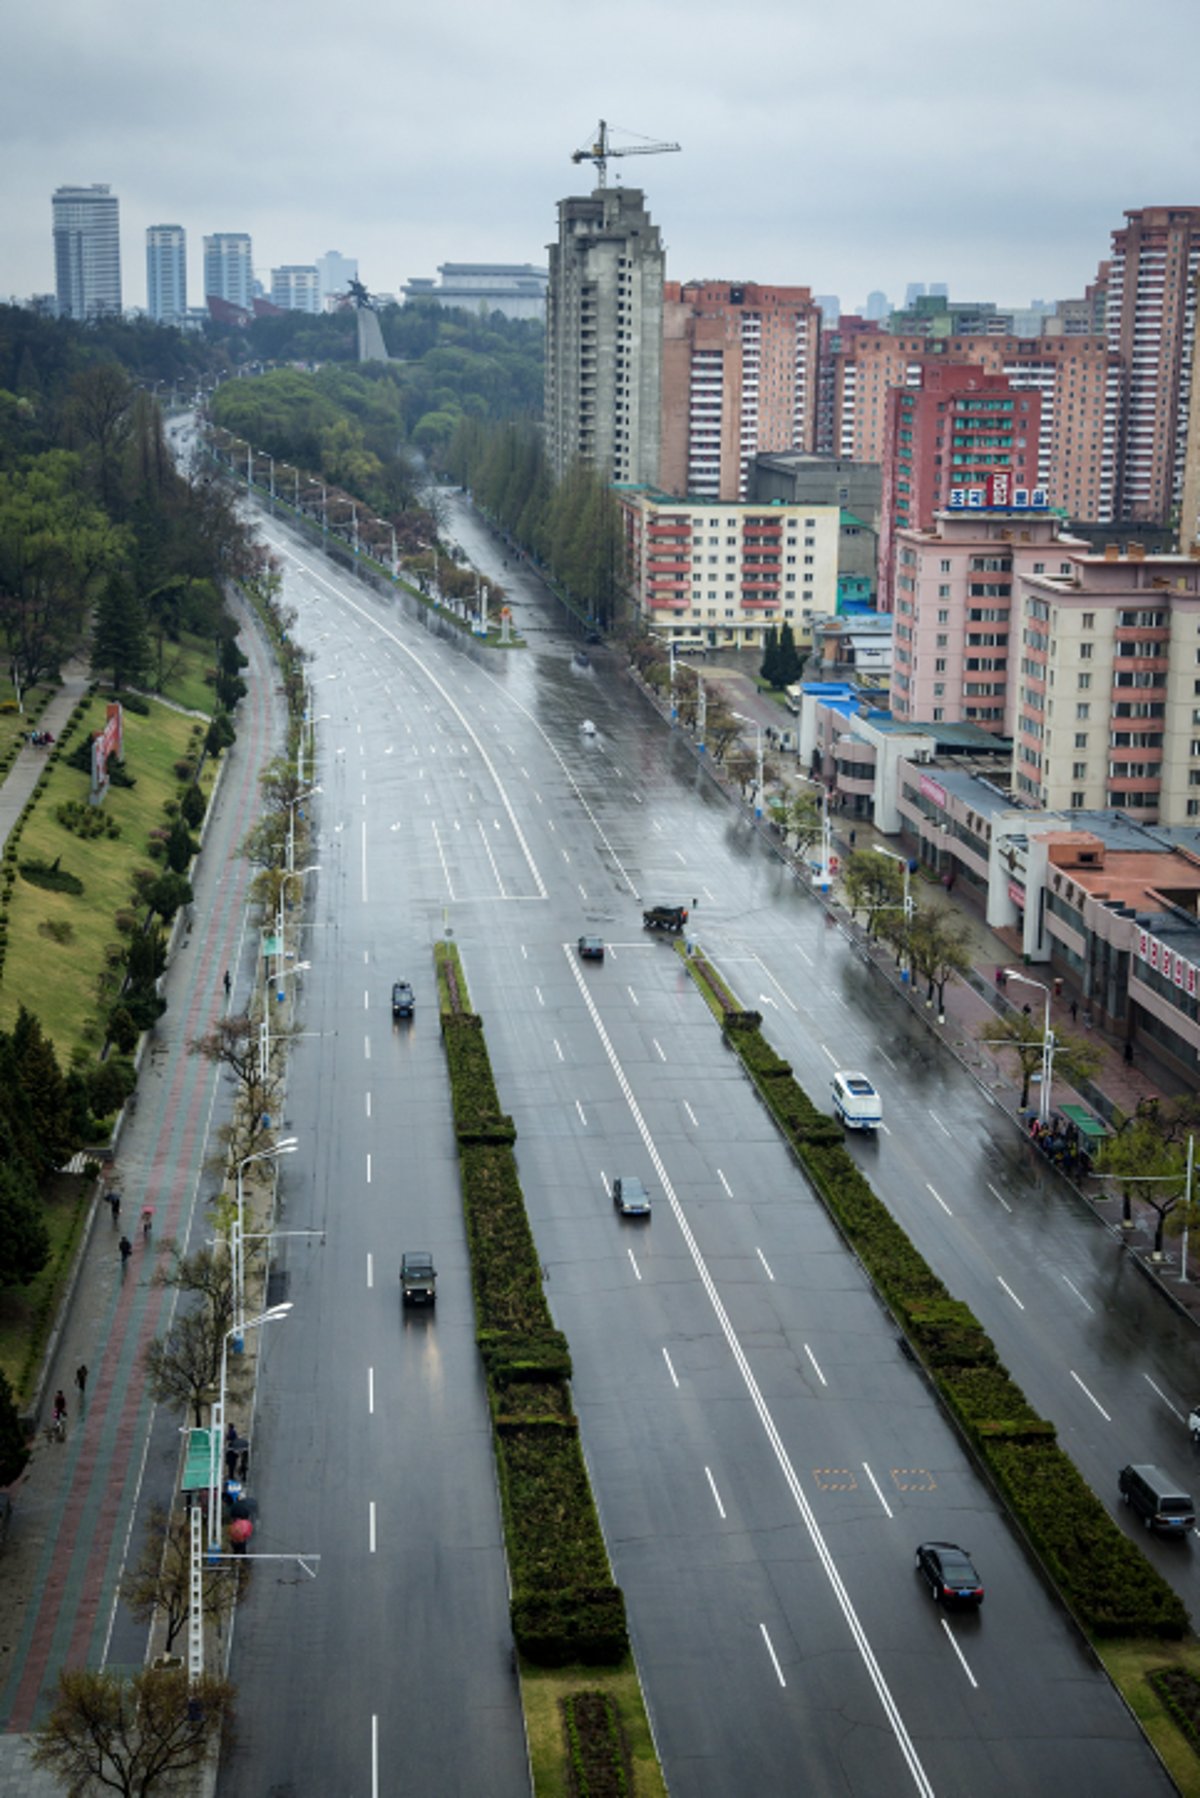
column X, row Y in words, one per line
column 114, row 1200
column 853, row 838
column 231, row 1461
column 243, row 1467
column 1128, row 1053
column 126, row 1248
column 60, row 1406
column 81, row 1380
column 1074, row 1010
column 999, row 978
column 228, row 983
column 230, row 1434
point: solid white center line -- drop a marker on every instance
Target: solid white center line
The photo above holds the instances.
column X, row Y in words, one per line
column 1087, row 1394
column 875, row 1483
column 692, row 1115
column 765, row 1262
column 773, row 1655
column 371, row 1526
column 370, row 1391
column 941, row 1201
column 636, row 1269
column 582, row 1117
column 370, row 1270
column 716, row 1494
column 1162, row 1395
column 816, row 1367
column 1002, row 1199
column 961, row 1657
column 1078, row 1294
column 658, row 1047
column 671, row 1370
column 558, row 1048
column 724, row 1183
column 1012, row 1295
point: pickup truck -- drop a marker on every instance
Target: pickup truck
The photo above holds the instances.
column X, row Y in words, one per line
column 418, row 1278
column 665, row 917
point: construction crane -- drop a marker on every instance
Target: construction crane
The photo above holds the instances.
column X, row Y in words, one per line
column 602, row 149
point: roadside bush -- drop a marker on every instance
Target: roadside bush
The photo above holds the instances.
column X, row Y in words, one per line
column 51, row 877
column 192, row 807
column 109, row 1084
column 122, row 1031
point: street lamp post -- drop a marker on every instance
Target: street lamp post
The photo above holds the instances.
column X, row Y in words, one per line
column 1047, row 1042
column 701, row 713
column 237, row 1235
column 758, row 778
column 823, row 869
column 216, row 1430
column 906, row 905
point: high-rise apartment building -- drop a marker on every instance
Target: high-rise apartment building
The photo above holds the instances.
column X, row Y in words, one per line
column 87, row 251
column 166, row 274
column 1151, row 313
column 228, row 268
column 1108, row 694
column 959, row 429
column 604, row 307
column 739, row 367
column 296, row 287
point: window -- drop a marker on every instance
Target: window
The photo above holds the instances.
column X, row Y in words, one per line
column 1085, row 681
column 943, row 592
column 1078, row 770
column 943, row 617
column 1081, row 710
column 1085, row 652
column 1081, row 739
column 943, row 567
column 1088, row 621
column 1076, row 802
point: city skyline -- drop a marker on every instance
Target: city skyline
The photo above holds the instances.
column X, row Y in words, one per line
column 842, row 167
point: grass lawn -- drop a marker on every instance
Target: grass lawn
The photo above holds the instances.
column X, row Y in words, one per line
column 1128, row 1664
column 58, row 942
column 178, row 672
column 543, row 1688
column 26, row 1312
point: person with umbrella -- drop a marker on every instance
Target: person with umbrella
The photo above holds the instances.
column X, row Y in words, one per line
column 240, row 1531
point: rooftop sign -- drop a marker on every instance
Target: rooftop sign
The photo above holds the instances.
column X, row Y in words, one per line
column 999, row 493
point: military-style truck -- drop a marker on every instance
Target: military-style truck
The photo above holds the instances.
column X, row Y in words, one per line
column 418, row 1278
column 665, row 917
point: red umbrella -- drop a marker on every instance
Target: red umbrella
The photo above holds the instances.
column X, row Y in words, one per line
column 240, row 1531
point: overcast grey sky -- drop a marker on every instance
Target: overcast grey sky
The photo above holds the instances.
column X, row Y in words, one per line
column 844, row 148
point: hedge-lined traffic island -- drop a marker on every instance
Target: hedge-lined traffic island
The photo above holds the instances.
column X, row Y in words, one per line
column 1103, row 1577
column 566, row 1608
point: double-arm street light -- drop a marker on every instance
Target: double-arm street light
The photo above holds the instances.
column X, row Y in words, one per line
column 668, row 644
column 906, row 905
column 1047, row 1042
column 758, row 776
column 216, row 1445
column 237, row 1235
column 823, row 869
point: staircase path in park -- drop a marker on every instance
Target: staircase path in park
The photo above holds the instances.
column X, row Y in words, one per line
column 79, row 1508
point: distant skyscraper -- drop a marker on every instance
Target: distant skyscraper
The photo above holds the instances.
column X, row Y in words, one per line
column 166, row 273
column 831, row 308
column 939, row 290
column 228, row 270
column 87, row 252
column 913, row 292
column 604, row 315
column 296, row 287
column 878, row 306
column 335, row 273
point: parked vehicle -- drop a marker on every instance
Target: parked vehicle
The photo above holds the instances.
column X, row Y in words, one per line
column 630, row 1197
column 418, row 1278
column 402, row 1000
column 665, row 917
column 1160, row 1502
column 856, row 1101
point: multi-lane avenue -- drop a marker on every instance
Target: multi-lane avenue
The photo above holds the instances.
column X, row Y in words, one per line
column 764, row 1458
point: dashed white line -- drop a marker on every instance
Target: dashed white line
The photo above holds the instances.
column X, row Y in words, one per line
column 658, row 1048
column 558, row 1048
column 371, row 1526
column 582, row 1118
column 633, row 1262
column 715, row 1493
column 368, row 1168
column 765, row 1262
column 1162, row 1395
column 368, row 1102
column 1076, row 1291
column 773, row 1655
column 961, row 1657
column 370, row 1270
column 691, row 1114
column 538, row 992
column 937, row 1120
column 803, row 954
column 1012, row 1295
column 370, row 1392
column 1005, row 1203
column 582, row 892
column 671, row 1370
column 832, row 1057
column 878, row 1493
column 724, row 1183
column 524, row 953
column 1091, row 1395
column 888, row 1059
column 633, row 995
column 816, row 1366
column 941, row 1201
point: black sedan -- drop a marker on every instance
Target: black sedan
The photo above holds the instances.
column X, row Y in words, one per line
column 950, row 1573
column 630, row 1197
column 591, row 948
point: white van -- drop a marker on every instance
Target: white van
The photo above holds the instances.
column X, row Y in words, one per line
column 856, row 1101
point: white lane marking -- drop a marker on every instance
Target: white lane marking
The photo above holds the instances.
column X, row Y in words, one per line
column 370, row 1270
column 886, row 1128
column 866, row 1653
column 582, row 1118
column 765, row 1262
column 491, row 858
column 937, row 1120
column 692, row 1115
column 834, row 1062
column 888, row 1059
column 941, row 1201
column 658, row 1047
column 1078, row 1294
column 371, row 1527
column 878, row 1493
column 716, row 1495
column 633, row 1262
column 961, row 1656
column 538, row 993
column 707, row 894
column 680, row 859
column 1003, row 1201
column 804, row 955
column 364, row 895
column 671, row 1370
column 374, row 1755
column 366, row 1001
column 370, row 1392
column 773, row 1655
column 368, row 1099
column 604, row 1184
column 724, row 1183
column 524, row 953
column 633, row 995
column 582, row 892
column 657, row 826
column 786, row 996
column 1091, row 1395
column 442, row 858
column 566, row 856
column 368, row 1167
column 1012, row 1295
column 366, row 1048
column 1162, row 1395
column 815, row 1365
column 558, row 1048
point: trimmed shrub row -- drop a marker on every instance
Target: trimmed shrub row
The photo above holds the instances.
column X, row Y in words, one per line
column 1103, row 1576
column 565, row 1605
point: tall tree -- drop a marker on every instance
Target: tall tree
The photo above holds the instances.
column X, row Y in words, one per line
column 769, row 667
column 100, row 419
column 42, row 1083
column 24, row 1238
column 119, row 642
column 53, row 546
column 788, row 663
column 134, row 1736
